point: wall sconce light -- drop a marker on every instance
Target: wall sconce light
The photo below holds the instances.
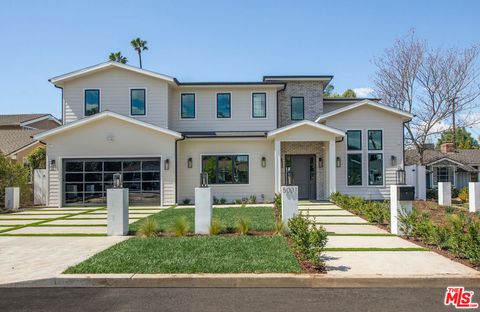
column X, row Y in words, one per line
column 203, row 179
column 190, row 162
column 338, row 162
column 264, row 162
column 53, row 165
column 320, row 162
column 401, row 177
column 166, row 166
column 394, row 160
column 117, row 180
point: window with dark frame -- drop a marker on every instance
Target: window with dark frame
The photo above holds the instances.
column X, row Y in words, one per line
column 224, row 105
column 187, row 105
column 226, row 169
column 297, row 108
column 259, row 105
column 354, row 158
column 354, row 140
column 92, row 101
column 375, row 140
column 137, row 102
column 375, row 169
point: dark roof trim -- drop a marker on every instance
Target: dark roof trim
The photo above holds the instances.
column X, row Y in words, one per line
column 340, row 99
column 241, row 83
column 324, row 77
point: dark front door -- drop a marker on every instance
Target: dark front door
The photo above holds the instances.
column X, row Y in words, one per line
column 302, row 168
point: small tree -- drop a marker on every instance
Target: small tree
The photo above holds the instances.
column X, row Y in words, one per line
column 37, row 158
column 463, row 139
column 14, row 174
column 117, row 57
column 349, row 93
column 139, row 45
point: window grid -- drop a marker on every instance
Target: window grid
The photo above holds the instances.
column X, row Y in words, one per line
column 263, row 98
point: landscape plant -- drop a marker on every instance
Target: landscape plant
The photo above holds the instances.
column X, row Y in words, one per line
column 148, row 228
column 215, row 227
column 243, row 226
column 180, row 227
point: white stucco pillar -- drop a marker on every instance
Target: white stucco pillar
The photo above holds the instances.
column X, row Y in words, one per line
column 398, row 207
column 474, row 196
column 289, row 202
column 12, row 198
column 332, row 178
column 117, row 211
column 203, row 210
column 278, row 165
column 444, row 193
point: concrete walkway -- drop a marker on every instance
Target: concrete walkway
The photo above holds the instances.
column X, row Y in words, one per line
column 357, row 248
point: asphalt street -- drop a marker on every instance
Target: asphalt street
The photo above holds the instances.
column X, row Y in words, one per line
column 223, row 299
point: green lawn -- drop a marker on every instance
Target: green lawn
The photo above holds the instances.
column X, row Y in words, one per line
column 261, row 218
column 197, row 254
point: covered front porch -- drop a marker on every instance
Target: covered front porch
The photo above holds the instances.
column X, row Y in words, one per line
column 305, row 156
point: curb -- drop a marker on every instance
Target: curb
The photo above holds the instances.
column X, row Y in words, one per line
column 248, row 281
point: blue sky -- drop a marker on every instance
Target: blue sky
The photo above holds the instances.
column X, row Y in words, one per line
column 214, row 40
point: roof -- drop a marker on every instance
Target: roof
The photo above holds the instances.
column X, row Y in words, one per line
column 347, row 99
column 306, row 123
column 13, row 140
column 102, row 115
column 17, row 119
column 365, row 103
column 466, row 157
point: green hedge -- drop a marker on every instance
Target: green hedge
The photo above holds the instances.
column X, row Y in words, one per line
column 14, row 174
column 373, row 211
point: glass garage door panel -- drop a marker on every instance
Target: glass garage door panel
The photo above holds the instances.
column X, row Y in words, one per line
column 86, row 180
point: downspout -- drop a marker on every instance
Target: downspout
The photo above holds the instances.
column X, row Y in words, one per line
column 176, row 168
column 403, row 142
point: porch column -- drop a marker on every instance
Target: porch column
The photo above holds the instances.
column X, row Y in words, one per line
column 278, row 169
column 332, row 179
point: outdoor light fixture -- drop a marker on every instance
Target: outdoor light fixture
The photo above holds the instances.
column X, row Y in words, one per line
column 320, row 162
column 394, row 160
column 264, row 162
column 53, row 165
column 166, row 166
column 401, row 177
column 203, row 179
column 117, row 180
column 338, row 162
column 189, row 162
column 290, row 178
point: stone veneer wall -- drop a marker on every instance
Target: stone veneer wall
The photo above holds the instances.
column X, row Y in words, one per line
column 312, row 92
column 304, row 148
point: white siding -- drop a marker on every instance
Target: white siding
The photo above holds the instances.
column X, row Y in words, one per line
column 260, row 179
column 128, row 141
column 241, row 104
column 114, row 85
column 365, row 118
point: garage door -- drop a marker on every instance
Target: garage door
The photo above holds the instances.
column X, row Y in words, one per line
column 85, row 181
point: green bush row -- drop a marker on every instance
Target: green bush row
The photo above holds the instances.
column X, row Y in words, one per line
column 377, row 212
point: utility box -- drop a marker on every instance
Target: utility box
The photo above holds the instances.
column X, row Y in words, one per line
column 401, row 198
column 12, row 198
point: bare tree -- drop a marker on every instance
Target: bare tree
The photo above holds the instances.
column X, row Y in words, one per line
column 432, row 84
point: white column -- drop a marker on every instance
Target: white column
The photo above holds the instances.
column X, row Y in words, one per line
column 444, row 193
column 289, row 202
column 278, row 164
column 332, row 179
column 397, row 209
column 12, row 198
column 117, row 211
column 203, row 210
column 474, row 196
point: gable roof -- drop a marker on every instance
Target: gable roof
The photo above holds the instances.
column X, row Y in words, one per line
column 18, row 119
column 465, row 157
column 102, row 115
column 365, row 103
column 305, row 123
column 16, row 139
column 106, row 65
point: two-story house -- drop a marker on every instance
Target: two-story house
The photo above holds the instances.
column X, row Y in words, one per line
column 250, row 137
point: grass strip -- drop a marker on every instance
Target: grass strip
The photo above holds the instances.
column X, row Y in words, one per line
column 361, row 234
column 27, row 219
column 378, row 249
column 59, row 234
column 341, row 223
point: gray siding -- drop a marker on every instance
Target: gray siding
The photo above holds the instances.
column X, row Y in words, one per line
column 312, row 91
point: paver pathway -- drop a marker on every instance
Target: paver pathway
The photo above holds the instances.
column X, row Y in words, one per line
column 357, row 248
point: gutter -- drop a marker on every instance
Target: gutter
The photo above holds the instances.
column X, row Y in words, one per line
column 176, row 168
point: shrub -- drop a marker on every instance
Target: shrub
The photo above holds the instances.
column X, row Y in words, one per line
column 243, row 225
column 148, row 228
column 277, row 206
column 432, row 194
column 463, row 194
column 187, row 201
column 216, row 201
column 279, row 228
column 223, row 201
column 180, row 226
column 14, row 174
column 244, row 200
column 238, row 201
column 378, row 212
column 215, row 227
column 252, row 199
column 449, row 209
column 37, row 158
column 455, row 192
column 308, row 240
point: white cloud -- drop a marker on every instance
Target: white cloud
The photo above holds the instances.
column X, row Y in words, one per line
column 363, row 92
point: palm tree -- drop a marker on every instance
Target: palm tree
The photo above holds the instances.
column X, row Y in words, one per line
column 139, row 45
column 117, row 57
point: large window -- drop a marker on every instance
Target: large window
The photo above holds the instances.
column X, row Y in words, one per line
column 297, row 109
column 375, row 142
column 226, row 169
column 259, row 105
column 375, row 169
column 187, row 104
column 137, row 102
column 443, row 174
column 92, row 101
column 224, row 105
column 354, row 158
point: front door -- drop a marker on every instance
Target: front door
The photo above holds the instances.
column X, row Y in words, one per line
column 302, row 168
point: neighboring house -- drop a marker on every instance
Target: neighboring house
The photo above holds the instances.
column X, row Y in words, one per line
column 448, row 165
column 250, row 137
column 16, row 132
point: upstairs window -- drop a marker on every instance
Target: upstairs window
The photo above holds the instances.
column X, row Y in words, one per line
column 224, row 105
column 187, row 105
column 297, row 109
column 354, row 158
column 92, row 102
column 375, row 140
column 354, row 140
column 137, row 102
column 259, row 105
